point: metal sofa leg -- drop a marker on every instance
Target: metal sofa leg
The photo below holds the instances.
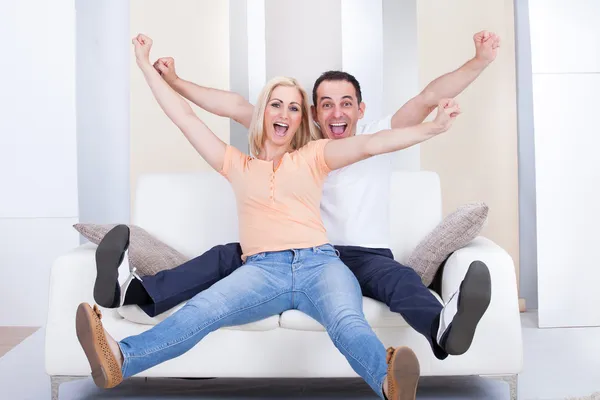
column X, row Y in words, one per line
column 512, row 380
column 56, row 380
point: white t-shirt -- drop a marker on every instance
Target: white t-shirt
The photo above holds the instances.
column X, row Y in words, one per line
column 356, row 199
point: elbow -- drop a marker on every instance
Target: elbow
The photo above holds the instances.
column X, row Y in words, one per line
column 428, row 98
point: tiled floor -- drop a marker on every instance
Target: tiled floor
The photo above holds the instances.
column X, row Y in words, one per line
column 10, row 336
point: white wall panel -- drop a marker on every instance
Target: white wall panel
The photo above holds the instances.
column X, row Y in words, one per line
column 568, row 195
column 565, row 36
column 38, row 158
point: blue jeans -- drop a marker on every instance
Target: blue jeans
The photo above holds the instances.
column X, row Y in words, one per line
column 313, row 280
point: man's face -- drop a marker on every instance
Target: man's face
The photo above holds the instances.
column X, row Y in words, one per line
column 337, row 109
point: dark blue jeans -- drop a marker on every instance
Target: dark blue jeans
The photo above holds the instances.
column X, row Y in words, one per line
column 379, row 275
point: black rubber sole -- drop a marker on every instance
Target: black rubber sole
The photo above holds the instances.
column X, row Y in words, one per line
column 474, row 299
column 109, row 256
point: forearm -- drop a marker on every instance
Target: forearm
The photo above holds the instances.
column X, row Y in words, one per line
column 453, row 83
column 446, row 86
column 398, row 139
column 219, row 102
column 343, row 152
column 174, row 106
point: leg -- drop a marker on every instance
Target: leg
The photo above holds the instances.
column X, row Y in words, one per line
column 163, row 291
column 326, row 290
column 253, row 292
column 158, row 293
column 398, row 286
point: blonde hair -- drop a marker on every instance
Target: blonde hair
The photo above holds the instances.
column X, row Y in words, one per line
column 306, row 131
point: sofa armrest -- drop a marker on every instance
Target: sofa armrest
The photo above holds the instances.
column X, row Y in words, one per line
column 71, row 282
column 502, row 319
column 500, row 263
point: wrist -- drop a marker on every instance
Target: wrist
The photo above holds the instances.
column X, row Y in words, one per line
column 479, row 63
column 174, row 82
column 143, row 64
column 435, row 128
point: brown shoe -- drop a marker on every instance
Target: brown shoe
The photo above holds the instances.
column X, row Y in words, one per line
column 403, row 373
column 90, row 332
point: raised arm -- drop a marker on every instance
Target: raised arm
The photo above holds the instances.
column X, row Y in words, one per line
column 210, row 147
column 219, row 102
column 342, row 152
column 448, row 85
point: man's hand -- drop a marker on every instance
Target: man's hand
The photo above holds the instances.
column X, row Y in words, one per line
column 448, row 110
column 166, row 68
column 142, row 45
column 486, row 46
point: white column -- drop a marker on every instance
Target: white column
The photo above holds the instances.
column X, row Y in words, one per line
column 362, row 50
column 565, row 38
column 379, row 47
column 103, row 54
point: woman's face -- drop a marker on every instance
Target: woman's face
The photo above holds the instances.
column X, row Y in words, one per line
column 283, row 115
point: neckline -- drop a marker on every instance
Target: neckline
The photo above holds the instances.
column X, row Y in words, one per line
column 273, row 167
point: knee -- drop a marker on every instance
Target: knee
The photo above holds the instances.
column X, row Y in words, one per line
column 347, row 322
column 407, row 275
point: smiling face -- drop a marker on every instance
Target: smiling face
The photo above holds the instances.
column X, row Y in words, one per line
column 283, row 115
column 337, row 108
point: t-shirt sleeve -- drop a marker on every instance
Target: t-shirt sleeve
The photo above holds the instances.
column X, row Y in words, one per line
column 375, row 126
column 233, row 162
column 314, row 153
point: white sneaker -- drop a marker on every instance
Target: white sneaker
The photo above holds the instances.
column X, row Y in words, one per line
column 462, row 313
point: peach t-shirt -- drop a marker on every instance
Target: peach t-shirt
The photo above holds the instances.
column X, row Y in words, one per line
column 278, row 210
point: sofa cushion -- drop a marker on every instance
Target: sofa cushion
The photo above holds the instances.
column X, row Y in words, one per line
column 146, row 253
column 135, row 314
column 453, row 233
column 377, row 313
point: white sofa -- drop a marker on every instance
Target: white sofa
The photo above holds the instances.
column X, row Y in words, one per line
column 193, row 212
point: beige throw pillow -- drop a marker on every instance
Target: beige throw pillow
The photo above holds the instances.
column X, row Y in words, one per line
column 453, row 233
column 146, row 253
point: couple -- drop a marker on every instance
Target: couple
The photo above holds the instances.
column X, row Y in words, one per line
column 286, row 260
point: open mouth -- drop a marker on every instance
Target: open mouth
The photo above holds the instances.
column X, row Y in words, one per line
column 280, row 129
column 338, row 129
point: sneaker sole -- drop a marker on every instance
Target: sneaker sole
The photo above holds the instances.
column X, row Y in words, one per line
column 109, row 256
column 406, row 371
column 90, row 333
column 475, row 296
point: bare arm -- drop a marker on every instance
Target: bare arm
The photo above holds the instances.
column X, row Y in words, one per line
column 208, row 145
column 448, row 85
column 343, row 152
column 219, row 102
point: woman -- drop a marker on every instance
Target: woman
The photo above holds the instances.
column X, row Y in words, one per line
column 288, row 263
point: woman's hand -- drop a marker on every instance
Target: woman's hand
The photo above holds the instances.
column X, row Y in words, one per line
column 142, row 45
column 448, row 110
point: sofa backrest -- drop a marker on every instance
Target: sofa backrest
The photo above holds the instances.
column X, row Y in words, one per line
column 193, row 212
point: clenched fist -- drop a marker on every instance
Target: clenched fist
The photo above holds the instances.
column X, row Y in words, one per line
column 448, row 110
column 166, row 68
column 486, row 46
column 142, row 45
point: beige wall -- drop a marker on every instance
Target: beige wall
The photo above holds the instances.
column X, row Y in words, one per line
column 477, row 159
column 196, row 34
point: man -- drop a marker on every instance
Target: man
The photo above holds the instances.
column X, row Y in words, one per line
column 354, row 207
